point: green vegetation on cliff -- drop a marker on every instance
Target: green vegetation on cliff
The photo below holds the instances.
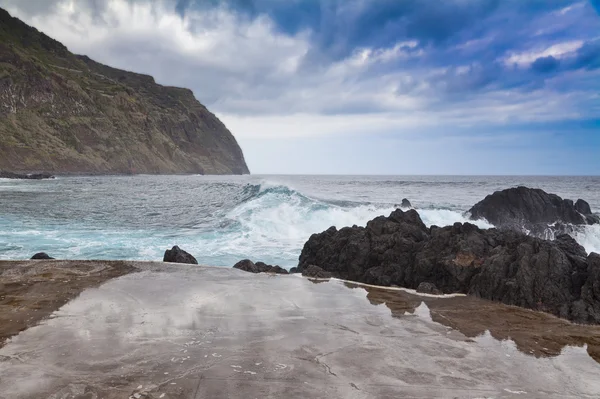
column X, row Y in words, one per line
column 64, row 113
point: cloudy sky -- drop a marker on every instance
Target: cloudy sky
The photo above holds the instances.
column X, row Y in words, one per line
column 366, row 86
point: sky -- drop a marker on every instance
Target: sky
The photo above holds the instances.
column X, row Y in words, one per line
column 366, row 86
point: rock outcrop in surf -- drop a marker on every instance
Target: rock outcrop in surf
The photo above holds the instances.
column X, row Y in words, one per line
column 557, row 276
column 534, row 211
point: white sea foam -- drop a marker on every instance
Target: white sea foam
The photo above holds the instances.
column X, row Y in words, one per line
column 265, row 220
column 589, row 237
column 445, row 217
column 276, row 221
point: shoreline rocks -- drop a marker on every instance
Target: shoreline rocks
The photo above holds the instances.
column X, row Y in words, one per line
column 178, row 255
column 316, row 272
column 533, row 210
column 556, row 277
column 41, row 255
column 428, row 288
column 259, row 267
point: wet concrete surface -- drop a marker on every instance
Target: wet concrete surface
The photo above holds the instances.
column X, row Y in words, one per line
column 178, row 331
column 31, row 290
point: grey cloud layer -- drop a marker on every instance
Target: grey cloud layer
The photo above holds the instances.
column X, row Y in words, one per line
column 345, row 57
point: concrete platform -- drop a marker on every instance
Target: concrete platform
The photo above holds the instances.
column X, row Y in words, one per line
column 177, row 331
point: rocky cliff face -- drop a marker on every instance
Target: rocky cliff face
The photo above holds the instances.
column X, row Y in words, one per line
column 64, row 113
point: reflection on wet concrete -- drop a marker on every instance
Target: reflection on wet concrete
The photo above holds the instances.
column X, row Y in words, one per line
column 197, row 332
column 534, row 333
column 31, row 290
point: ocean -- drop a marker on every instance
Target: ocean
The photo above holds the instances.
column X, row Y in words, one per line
column 223, row 219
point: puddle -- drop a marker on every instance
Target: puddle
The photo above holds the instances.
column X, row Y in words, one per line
column 215, row 332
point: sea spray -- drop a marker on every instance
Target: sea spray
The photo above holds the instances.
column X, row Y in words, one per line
column 222, row 219
column 589, row 237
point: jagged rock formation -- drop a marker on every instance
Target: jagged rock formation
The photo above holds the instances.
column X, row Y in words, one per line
column 64, row 113
column 259, row 267
column 533, row 210
column 501, row 265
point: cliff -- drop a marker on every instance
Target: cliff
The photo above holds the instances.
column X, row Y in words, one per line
column 64, row 113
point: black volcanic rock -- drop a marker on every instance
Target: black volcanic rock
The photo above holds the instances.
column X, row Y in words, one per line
column 259, row 267
column 247, row 265
column 501, row 265
column 41, row 255
column 532, row 210
column 316, row 272
column 583, row 207
column 428, row 288
column 178, row 255
column 589, row 305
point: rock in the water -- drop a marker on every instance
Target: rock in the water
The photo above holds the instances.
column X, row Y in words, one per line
column 247, row 265
column 278, row 270
column 293, row 270
column 41, row 255
column 532, row 210
column 259, row 267
column 178, row 255
column 501, row 265
column 583, row 207
column 405, row 204
column 316, row 272
column 428, row 288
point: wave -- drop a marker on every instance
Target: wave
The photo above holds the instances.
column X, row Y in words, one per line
column 279, row 212
column 275, row 220
column 271, row 223
column 447, row 217
column 284, row 212
column 588, row 237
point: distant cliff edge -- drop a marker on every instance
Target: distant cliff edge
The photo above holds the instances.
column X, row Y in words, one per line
column 64, row 113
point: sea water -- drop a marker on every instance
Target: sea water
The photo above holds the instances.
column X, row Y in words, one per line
column 223, row 219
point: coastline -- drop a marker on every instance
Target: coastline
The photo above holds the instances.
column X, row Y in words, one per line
column 52, row 175
column 120, row 329
column 32, row 290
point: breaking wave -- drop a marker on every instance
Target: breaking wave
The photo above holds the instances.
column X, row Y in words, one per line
column 589, row 237
column 273, row 222
column 220, row 222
